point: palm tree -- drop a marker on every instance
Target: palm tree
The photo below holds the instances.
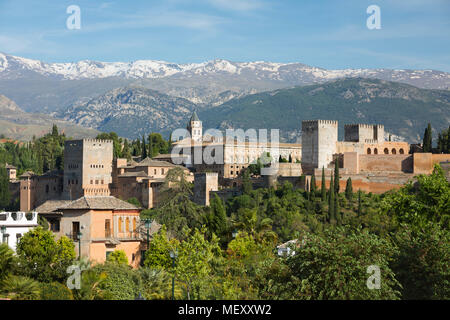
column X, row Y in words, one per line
column 6, row 260
column 21, row 288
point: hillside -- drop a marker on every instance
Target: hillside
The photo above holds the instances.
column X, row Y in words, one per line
column 403, row 109
column 18, row 124
column 131, row 112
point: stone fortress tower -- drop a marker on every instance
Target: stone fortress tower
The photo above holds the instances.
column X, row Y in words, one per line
column 365, row 133
column 319, row 138
column 195, row 128
column 88, row 167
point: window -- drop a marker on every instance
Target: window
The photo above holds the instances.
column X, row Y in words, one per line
column 375, row 151
column 75, row 230
column 394, row 151
column 54, row 225
column 127, row 225
column 369, row 151
column 107, row 228
column 386, row 151
column 402, row 151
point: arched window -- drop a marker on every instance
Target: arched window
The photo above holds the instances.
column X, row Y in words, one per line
column 386, row 151
column 402, row 151
column 369, row 151
column 134, row 225
column 375, row 151
column 394, row 151
column 127, row 225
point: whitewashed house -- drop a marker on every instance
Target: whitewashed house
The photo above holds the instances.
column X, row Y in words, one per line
column 13, row 225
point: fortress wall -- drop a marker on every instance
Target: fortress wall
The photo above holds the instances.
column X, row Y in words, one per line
column 290, row 169
column 384, row 162
column 424, row 162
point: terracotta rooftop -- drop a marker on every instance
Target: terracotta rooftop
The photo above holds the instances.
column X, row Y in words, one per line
column 134, row 174
column 147, row 162
column 99, row 203
column 51, row 206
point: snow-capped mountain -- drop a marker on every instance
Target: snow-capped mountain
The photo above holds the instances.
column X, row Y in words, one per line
column 12, row 67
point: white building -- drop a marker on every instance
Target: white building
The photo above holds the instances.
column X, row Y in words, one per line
column 13, row 225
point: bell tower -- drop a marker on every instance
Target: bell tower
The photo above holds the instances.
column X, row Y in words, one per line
column 195, row 127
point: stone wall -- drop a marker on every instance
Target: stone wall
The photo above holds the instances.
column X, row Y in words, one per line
column 385, row 162
column 204, row 183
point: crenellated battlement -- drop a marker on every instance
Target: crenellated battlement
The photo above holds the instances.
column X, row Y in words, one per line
column 97, row 140
column 363, row 125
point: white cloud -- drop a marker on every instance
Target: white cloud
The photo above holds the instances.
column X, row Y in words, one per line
column 237, row 5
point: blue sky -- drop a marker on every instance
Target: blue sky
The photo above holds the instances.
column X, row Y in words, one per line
column 331, row 34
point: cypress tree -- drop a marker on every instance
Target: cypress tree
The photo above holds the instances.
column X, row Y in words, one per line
column 359, row 203
column 307, row 189
column 290, row 158
column 151, row 152
column 428, row 139
column 349, row 190
column 336, row 176
column 5, row 196
column 331, row 193
column 323, row 187
column 144, row 148
column 313, row 183
column 337, row 211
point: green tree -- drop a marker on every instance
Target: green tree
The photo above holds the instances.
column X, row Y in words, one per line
column 333, row 266
column 331, row 202
column 349, row 190
column 323, row 187
column 144, row 148
column 217, row 222
column 246, row 183
column 5, row 195
column 359, row 203
column 336, row 176
column 55, row 291
column 20, row 288
column 422, row 263
column 42, row 258
column 428, row 139
column 418, row 204
column 118, row 257
column 7, row 260
column 193, row 263
column 158, row 253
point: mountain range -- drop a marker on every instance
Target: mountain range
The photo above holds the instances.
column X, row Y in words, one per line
column 133, row 98
column 51, row 87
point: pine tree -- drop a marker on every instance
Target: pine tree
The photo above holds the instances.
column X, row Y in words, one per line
column 144, row 148
column 336, row 176
column 349, row 189
column 323, row 187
